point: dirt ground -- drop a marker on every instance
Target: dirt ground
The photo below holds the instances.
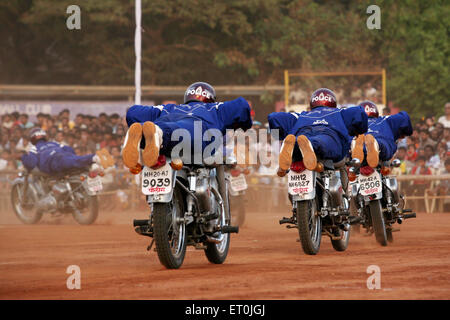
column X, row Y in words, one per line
column 264, row 262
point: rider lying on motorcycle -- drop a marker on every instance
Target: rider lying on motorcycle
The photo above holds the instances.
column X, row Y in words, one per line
column 323, row 132
column 151, row 127
column 382, row 134
column 54, row 158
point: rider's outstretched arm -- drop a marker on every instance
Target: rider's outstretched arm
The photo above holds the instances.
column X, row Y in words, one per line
column 355, row 119
column 141, row 114
column 235, row 114
column 400, row 124
column 30, row 159
column 282, row 121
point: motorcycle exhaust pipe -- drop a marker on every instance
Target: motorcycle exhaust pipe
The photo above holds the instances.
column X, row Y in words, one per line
column 140, row 223
column 229, row 229
column 344, row 226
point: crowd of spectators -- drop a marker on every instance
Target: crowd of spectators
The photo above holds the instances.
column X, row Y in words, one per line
column 426, row 152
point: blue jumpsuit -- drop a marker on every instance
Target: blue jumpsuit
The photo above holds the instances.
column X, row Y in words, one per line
column 52, row 158
column 232, row 114
column 387, row 130
column 330, row 130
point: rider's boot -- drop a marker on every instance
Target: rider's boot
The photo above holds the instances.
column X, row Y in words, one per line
column 130, row 151
column 103, row 158
column 285, row 157
column 357, row 148
column 153, row 140
column 309, row 156
column 372, row 150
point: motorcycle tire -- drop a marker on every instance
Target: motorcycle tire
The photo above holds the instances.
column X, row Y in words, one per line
column 309, row 226
column 92, row 214
column 35, row 216
column 341, row 244
column 378, row 224
column 169, row 236
column 217, row 253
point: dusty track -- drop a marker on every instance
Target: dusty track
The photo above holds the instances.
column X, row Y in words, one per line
column 265, row 262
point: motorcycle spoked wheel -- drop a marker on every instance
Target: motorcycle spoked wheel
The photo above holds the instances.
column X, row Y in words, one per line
column 379, row 227
column 26, row 212
column 309, row 226
column 86, row 211
column 217, row 252
column 168, row 233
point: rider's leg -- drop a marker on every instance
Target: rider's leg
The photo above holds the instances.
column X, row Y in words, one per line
column 322, row 146
column 61, row 162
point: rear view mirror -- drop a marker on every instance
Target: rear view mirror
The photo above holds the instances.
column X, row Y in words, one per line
column 396, row 163
column 355, row 163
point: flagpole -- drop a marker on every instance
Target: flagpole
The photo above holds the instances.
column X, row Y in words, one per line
column 137, row 50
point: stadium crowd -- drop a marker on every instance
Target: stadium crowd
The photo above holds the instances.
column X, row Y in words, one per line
column 426, row 152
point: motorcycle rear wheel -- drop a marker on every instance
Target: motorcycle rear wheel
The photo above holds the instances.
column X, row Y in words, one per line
column 378, row 224
column 217, row 252
column 89, row 214
column 309, row 226
column 170, row 235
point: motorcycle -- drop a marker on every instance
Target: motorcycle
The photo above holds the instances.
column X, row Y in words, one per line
column 35, row 193
column 189, row 206
column 377, row 199
column 237, row 187
column 319, row 205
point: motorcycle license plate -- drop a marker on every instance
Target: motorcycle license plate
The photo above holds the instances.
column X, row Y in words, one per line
column 157, row 181
column 238, row 183
column 94, row 184
column 300, row 183
column 370, row 185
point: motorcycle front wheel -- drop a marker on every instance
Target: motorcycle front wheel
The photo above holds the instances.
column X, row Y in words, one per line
column 169, row 231
column 309, row 226
column 24, row 206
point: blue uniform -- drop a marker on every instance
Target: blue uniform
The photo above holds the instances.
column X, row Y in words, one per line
column 329, row 130
column 232, row 114
column 387, row 130
column 52, row 158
